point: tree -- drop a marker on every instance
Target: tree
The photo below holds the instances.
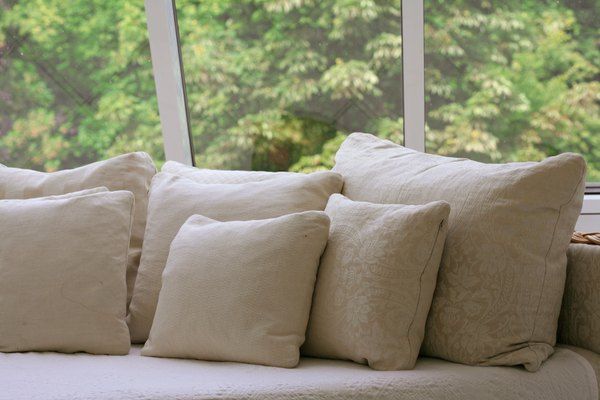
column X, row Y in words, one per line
column 75, row 83
column 514, row 81
column 277, row 84
column 269, row 80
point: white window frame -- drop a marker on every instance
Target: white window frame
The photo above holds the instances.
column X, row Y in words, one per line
column 167, row 65
column 589, row 220
column 413, row 74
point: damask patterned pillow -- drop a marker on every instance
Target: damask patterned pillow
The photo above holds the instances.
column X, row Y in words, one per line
column 376, row 281
column 579, row 323
column 502, row 273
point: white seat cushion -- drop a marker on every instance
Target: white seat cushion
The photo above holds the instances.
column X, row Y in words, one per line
column 52, row 376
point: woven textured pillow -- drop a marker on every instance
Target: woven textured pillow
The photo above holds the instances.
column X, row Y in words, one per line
column 376, row 281
column 132, row 172
column 173, row 199
column 239, row 291
column 502, row 273
column 63, row 262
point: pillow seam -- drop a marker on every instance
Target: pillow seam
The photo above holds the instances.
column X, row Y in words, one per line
column 427, row 265
column 560, row 210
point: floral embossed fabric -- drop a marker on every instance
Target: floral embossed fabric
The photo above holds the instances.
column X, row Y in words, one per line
column 376, row 282
column 579, row 323
column 502, row 273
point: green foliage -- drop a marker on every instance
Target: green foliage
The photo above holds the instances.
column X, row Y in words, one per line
column 270, row 82
column 514, row 81
column 76, row 83
column 277, row 84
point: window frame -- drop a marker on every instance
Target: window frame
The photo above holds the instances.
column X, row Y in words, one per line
column 167, row 63
column 169, row 78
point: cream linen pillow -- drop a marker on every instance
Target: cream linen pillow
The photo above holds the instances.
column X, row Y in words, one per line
column 173, row 199
column 99, row 189
column 132, row 172
column 202, row 175
column 503, row 269
column 239, row 291
column 376, row 282
column 63, row 261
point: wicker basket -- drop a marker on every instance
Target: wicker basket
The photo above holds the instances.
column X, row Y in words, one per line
column 586, row 238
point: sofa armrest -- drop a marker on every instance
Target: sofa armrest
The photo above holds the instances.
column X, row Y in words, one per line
column 579, row 323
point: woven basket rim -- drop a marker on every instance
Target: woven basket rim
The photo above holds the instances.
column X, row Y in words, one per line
column 586, row 238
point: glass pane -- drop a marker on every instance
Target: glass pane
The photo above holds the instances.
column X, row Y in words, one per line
column 513, row 80
column 76, row 83
column 277, row 84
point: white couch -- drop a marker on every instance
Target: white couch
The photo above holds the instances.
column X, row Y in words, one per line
column 570, row 373
column 32, row 376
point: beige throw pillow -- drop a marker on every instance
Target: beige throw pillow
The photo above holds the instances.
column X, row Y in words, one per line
column 63, row 261
column 579, row 322
column 132, row 172
column 202, row 175
column 173, row 199
column 503, row 269
column 239, row 291
column 376, row 281
column 99, row 189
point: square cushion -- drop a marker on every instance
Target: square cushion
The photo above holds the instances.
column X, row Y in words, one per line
column 202, row 175
column 579, row 322
column 376, row 281
column 173, row 199
column 63, row 262
column 239, row 290
column 502, row 273
column 132, row 172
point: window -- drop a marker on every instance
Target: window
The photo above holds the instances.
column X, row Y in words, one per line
column 513, row 80
column 277, row 84
column 76, row 83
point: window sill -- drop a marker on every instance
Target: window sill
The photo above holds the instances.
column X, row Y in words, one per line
column 589, row 221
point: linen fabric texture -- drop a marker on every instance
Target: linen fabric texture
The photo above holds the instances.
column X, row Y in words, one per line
column 202, row 175
column 376, row 282
column 579, row 323
column 247, row 302
column 502, row 273
column 34, row 376
column 173, row 199
column 132, row 172
column 63, row 263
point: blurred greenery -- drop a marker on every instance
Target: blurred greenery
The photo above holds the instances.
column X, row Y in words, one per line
column 277, row 84
column 76, row 83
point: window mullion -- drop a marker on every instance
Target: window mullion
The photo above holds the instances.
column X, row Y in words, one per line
column 169, row 79
column 413, row 74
